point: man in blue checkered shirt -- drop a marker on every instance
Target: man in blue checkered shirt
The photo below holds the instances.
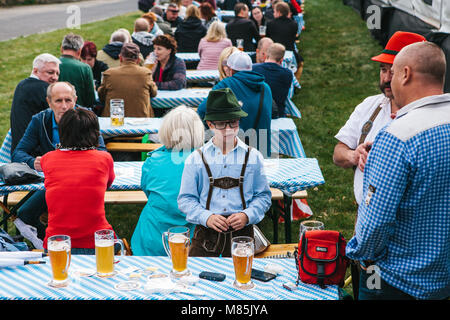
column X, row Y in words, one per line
column 402, row 235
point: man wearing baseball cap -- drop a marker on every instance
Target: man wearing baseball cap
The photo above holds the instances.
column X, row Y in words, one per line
column 368, row 118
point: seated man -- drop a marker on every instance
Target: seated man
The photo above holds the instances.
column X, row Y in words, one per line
column 171, row 15
column 241, row 27
column 228, row 206
column 248, row 87
column 277, row 77
column 74, row 71
column 142, row 37
column 42, row 136
column 261, row 49
column 30, row 95
column 130, row 82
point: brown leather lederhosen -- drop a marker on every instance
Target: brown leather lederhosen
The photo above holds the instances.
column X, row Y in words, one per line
column 207, row 242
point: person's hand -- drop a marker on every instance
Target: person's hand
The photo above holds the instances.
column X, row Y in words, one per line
column 364, row 153
column 217, row 222
column 237, row 220
column 37, row 164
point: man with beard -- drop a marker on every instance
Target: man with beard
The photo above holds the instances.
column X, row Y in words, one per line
column 369, row 118
column 371, row 115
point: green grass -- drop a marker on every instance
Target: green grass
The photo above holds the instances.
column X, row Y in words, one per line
column 338, row 74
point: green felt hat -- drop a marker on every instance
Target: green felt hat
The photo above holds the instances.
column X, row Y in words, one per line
column 223, row 105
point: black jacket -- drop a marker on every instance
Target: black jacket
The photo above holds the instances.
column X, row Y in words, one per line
column 29, row 99
column 189, row 33
column 282, row 30
column 243, row 28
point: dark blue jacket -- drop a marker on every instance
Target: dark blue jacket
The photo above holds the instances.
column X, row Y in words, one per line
column 37, row 139
column 246, row 85
column 279, row 80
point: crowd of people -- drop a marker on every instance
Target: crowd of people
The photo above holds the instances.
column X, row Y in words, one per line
column 217, row 187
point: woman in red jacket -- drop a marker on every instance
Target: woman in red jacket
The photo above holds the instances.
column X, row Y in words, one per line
column 76, row 178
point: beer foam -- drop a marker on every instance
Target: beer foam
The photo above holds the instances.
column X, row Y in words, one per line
column 104, row 243
column 178, row 238
column 243, row 252
column 58, row 246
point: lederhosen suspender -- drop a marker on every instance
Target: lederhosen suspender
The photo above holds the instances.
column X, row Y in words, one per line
column 226, row 182
column 368, row 125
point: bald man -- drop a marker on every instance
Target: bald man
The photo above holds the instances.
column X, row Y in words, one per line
column 261, row 49
column 402, row 234
column 142, row 36
column 42, row 136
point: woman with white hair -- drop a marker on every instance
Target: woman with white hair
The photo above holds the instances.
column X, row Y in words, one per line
column 212, row 45
column 181, row 132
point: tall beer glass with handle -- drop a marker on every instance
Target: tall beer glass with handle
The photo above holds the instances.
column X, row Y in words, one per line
column 242, row 250
column 176, row 243
column 58, row 247
column 104, row 252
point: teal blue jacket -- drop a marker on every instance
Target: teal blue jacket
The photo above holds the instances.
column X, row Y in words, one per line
column 160, row 180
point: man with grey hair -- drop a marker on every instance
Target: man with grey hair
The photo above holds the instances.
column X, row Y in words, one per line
column 277, row 77
column 30, row 93
column 402, row 233
column 42, row 136
column 79, row 74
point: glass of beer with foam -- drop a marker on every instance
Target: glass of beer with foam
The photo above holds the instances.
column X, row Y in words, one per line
column 176, row 243
column 104, row 252
column 117, row 112
column 58, row 248
column 242, row 250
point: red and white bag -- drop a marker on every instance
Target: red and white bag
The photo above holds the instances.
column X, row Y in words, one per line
column 321, row 258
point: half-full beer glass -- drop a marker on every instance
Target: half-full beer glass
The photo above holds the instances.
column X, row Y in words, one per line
column 117, row 112
column 104, row 252
column 242, row 250
column 59, row 252
column 177, row 249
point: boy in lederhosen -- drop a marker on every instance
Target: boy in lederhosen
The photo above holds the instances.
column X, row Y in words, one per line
column 224, row 190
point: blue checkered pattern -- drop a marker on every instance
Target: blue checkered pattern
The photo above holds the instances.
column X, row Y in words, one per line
column 30, row 282
column 405, row 225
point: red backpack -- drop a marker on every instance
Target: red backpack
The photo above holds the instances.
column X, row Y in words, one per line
column 321, row 258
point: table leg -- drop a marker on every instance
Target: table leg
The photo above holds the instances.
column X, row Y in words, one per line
column 287, row 218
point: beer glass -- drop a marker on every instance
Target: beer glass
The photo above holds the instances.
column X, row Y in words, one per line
column 104, row 252
column 262, row 31
column 59, row 252
column 150, row 61
column 177, row 249
column 240, row 44
column 242, row 250
column 117, row 112
column 309, row 225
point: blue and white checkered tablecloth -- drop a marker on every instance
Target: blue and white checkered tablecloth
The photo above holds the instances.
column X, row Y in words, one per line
column 202, row 75
column 284, row 135
column 288, row 175
column 194, row 97
column 31, row 282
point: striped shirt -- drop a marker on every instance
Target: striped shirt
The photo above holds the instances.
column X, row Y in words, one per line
column 404, row 218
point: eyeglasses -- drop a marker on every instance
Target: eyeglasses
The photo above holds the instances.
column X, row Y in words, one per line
column 220, row 125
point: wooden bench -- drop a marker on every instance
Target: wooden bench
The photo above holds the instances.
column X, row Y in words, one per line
column 284, row 250
column 132, row 146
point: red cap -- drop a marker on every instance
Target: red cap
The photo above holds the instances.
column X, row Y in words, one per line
column 398, row 40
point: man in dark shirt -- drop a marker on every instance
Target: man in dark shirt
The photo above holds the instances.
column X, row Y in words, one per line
column 171, row 15
column 30, row 95
column 277, row 77
column 241, row 27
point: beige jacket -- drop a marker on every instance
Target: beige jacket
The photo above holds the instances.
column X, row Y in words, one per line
column 132, row 83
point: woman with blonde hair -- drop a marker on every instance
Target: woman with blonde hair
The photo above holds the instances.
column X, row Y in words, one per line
column 181, row 132
column 222, row 64
column 212, row 45
column 190, row 31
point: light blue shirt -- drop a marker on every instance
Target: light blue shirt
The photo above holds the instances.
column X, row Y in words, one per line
column 195, row 184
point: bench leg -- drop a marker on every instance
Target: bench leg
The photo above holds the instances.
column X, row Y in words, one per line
column 287, row 218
